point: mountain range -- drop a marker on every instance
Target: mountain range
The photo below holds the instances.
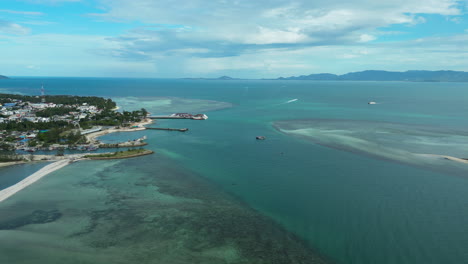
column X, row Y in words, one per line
column 373, row 75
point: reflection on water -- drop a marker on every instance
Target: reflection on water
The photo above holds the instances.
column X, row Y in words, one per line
column 139, row 211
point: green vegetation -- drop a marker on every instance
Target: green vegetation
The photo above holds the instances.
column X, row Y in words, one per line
column 99, row 102
column 121, row 154
column 113, row 118
column 48, row 112
column 64, row 121
column 61, row 135
column 9, row 155
column 28, row 126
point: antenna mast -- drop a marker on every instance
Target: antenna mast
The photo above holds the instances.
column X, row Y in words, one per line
column 42, row 94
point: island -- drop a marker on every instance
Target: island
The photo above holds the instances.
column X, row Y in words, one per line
column 60, row 122
column 376, row 75
column 3, row 77
column 222, row 78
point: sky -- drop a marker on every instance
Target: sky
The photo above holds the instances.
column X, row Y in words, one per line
column 238, row 38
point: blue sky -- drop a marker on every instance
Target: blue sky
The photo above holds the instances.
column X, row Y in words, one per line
column 239, row 38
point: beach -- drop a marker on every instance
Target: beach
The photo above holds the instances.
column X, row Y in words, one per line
column 59, row 161
column 5, row 164
column 6, row 193
column 92, row 137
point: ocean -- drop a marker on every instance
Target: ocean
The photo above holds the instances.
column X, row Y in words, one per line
column 336, row 180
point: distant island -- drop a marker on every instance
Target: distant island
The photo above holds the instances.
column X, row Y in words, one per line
column 3, row 77
column 222, row 78
column 373, row 75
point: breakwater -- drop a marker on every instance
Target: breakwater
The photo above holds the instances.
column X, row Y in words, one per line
column 168, row 129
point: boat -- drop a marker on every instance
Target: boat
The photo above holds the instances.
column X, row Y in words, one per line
column 92, row 148
column 372, row 103
column 260, row 138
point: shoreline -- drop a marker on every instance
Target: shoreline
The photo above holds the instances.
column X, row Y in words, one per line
column 11, row 163
column 62, row 161
column 10, row 191
column 92, row 137
column 97, row 157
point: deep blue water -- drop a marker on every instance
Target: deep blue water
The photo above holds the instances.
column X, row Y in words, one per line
column 350, row 207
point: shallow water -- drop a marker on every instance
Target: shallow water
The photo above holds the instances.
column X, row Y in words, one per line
column 141, row 210
column 350, row 207
column 417, row 145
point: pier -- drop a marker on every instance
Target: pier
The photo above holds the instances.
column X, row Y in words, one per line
column 168, row 129
column 168, row 117
column 181, row 116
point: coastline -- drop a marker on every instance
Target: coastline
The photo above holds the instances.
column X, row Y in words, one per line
column 62, row 161
column 10, row 191
column 100, row 157
column 92, row 137
column 11, row 163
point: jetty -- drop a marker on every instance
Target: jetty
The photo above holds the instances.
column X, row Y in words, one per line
column 168, row 129
column 181, row 116
column 167, row 117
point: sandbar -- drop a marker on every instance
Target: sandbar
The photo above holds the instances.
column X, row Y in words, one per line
column 8, row 192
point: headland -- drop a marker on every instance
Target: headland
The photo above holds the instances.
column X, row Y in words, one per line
column 59, row 123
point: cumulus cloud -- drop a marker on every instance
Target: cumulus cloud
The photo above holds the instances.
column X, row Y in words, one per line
column 229, row 28
column 261, row 38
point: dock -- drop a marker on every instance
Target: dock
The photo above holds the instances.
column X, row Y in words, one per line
column 168, row 129
column 168, row 117
column 181, row 116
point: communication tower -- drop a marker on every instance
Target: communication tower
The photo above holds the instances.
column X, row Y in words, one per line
column 42, row 94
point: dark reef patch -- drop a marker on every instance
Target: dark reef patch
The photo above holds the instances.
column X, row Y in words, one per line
column 36, row 217
column 204, row 225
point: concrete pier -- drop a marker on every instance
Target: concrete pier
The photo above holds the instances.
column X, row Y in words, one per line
column 167, row 117
column 168, row 129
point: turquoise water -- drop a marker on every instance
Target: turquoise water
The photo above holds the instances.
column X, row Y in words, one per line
column 349, row 205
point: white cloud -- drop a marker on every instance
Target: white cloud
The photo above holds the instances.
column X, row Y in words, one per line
column 7, row 27
column 366, row 38
column 50, row 1
column 228, row 29
column 28, row 13
column 261, row 38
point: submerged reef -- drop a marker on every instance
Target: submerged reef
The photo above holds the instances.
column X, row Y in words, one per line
column 36, row 217
column 159, row 213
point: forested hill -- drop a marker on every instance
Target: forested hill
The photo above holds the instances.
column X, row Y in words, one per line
column 372, row 75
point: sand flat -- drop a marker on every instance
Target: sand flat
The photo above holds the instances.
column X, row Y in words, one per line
column 8, row 192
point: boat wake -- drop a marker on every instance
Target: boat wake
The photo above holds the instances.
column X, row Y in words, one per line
column 289, row 101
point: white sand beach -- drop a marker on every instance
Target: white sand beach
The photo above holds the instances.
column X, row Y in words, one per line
column 6, row 164
column 93, row 136
column 8, row 192
column 60, row 161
